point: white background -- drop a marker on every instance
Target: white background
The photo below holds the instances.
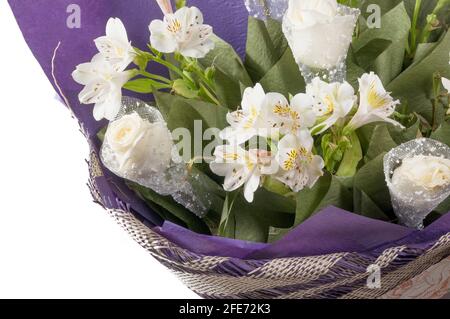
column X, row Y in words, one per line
column 54, row 241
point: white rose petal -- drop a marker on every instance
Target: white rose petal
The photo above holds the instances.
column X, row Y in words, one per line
column 139, row 146
column 421, row 174
column 318, row 34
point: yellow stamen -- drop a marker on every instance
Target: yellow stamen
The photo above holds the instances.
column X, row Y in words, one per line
column 282, row 110
column 174, row 26
column 251, row 119
column 329, row 101
column 289, row 164
column 231, row 156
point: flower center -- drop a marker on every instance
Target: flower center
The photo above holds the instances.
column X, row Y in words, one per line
column 282, row 110
column 124, row 131
column 289, row 163
column 174, row 26
column 376, row 100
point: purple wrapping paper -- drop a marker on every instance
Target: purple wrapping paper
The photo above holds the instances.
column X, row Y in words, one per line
column 43, row 24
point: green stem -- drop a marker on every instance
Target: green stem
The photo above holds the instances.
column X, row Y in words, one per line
column 209, row 94
column 414, row 26
column 155, row 77
column 167, row 65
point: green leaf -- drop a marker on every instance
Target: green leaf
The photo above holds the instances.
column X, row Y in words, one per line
column 401, row 136
column 415, row 84
column 143, row 86
column 181, row 112
column 227, row 226
column 265, row 46
column 380, row 142
column 423, row 49
column 354, row 71
column 190, row 220
column 370, row 179
column 395, row 26
column 352, row 157
column 367, row 55
column 364, row 206
column 284, row 77
column 229, row 92
column 224, row 58
column 252, row 221
column 328, row 191
column 442, row 134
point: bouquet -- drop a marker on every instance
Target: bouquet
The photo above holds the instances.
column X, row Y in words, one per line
column 331, row 123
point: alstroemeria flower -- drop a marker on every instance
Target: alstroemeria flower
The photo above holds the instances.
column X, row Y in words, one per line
column 375, row 104
column 250, row 120
column 241, row 167
column 103, row 86
column 299, row 166
column 290, row 118
column 115, row 47
column 183, row 32
column 332, row 102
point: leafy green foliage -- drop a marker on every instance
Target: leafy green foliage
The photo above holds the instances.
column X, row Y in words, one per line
column 252, row 221
column 170, row 210
column 328, row 191
column 265, row 46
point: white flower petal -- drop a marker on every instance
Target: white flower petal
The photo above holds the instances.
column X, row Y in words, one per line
column 161, row 39
column 375, row 103
column 116, row 30
column 113, row 105
column 94, row 92
column 253, row 98
column 99, row 111
column 300, row 167
column 303, row 104
column 446, row 84
column 315, row 170
column 251, row 186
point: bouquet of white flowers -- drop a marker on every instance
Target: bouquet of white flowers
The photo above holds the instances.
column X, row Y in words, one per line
column 327, row 134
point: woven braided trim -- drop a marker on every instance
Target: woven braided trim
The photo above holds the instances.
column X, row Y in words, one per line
column 329, row 276
column 341, row 275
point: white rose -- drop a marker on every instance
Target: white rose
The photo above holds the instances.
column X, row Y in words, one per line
column 139, row 146
column 421, row 174
column 318, row 32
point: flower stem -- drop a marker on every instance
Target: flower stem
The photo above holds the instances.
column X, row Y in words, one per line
column 416, row 14
column 155, row 77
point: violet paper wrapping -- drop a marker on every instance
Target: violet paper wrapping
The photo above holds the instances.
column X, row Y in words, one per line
column 332, row 230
